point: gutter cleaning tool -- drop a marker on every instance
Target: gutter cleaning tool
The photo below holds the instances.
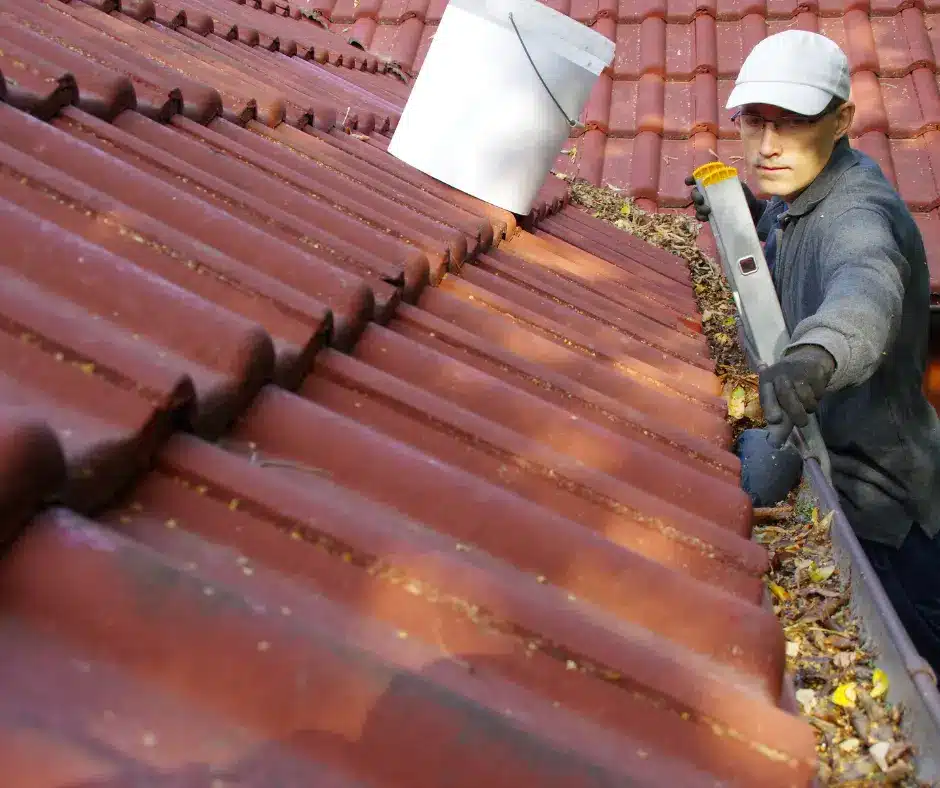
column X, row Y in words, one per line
column 498, row 96
column 756, row 300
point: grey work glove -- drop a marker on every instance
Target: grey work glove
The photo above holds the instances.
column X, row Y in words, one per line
column 703, row 211
column 790, row 390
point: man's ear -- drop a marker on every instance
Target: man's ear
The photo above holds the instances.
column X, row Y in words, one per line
column 844, row 117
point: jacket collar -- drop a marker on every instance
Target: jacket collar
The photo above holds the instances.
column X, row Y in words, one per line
column 842, row 158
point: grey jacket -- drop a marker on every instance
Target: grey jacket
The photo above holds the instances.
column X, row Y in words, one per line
column 851, row 273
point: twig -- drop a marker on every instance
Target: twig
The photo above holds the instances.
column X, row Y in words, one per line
column 772, row 514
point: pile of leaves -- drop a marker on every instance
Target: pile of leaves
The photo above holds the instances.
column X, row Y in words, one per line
column 678, row 233
column 839, row 689
column 838, row 686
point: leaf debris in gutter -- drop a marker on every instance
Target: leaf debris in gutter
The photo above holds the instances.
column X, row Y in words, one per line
column 838, row 686
column 677, row 233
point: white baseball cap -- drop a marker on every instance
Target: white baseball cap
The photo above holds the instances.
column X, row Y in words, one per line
column 795, row 70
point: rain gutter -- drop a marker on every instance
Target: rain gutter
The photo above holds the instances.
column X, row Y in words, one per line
column 912, row 682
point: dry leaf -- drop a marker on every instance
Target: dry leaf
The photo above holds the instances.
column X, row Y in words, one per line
column 860, row 724
column 898, row 772
column 822, row 611
column 752, row 410
column 850, row 745
column 844, row 659
column 802, row 563
column 878, row 752
column 820, row 591
column 857, row 770
column 807, row 699
column 898, row 749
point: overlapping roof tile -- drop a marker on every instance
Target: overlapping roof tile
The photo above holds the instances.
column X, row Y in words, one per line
column 658, row 110
column 327, row 474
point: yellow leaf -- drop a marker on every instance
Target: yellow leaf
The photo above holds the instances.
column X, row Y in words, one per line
column 625, row 209
column 845, row 695
column 778, row 591
column 880, row 683
column 736, row 403
column 815, row 515
column 820, row 574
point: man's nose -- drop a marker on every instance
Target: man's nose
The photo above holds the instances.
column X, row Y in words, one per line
column 769, row 141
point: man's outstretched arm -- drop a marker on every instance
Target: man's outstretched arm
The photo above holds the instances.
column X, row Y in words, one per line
column 843, row 343
column 864, row 276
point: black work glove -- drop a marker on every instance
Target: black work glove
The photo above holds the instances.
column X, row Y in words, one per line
column 791, row 389
column 768, row 471
column 702, row 211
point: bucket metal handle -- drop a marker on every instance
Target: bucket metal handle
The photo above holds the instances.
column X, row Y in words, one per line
column 570, row 122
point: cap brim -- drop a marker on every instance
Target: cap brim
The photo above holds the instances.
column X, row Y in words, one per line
column 801, row 99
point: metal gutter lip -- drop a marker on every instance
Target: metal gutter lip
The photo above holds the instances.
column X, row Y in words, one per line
column 912, row 681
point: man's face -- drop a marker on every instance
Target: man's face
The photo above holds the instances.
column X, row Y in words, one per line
column 785, row 152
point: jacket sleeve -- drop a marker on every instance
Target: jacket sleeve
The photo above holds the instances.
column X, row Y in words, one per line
column 863, row 276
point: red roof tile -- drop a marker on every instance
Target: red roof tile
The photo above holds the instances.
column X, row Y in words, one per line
column 330, row 466
column 658, row 112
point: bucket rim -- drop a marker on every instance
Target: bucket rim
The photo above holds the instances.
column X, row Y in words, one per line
column 541, row 21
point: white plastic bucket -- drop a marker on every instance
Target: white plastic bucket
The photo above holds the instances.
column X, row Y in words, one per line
column 478, row 117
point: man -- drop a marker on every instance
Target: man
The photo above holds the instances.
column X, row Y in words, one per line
column 849, row 266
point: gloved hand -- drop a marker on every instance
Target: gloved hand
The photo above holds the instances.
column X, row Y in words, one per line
column 703, row 211
column 768, row 471
column 791, row 389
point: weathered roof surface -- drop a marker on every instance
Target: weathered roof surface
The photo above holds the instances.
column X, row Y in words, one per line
column 658, row 111
column 336, row 475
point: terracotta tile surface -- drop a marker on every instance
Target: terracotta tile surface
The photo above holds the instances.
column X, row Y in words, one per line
column 662, row 45
column 311, row 466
